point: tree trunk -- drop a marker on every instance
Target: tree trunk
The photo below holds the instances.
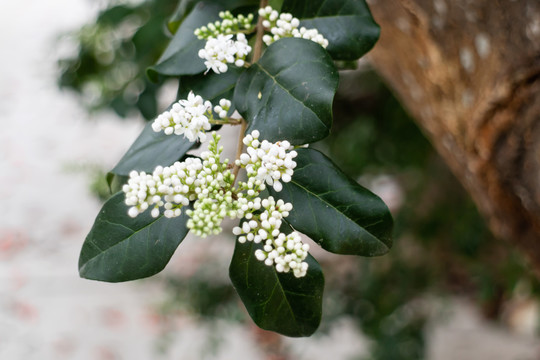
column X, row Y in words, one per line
column 469, row 72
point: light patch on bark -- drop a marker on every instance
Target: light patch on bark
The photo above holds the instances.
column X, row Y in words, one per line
column 467, row 98
column 466, row 58
column 404, row 25
column 483, row 46
column 440, row 7
column 533, row 28
column 415, row 89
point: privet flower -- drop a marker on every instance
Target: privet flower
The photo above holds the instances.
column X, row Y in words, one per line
column 224, row 49
column 173, row 187
column 228, row 25
column 223, row 108
column 268, row 162
column 189, row 117
column 170, row 188
column 284, row 251
column 208, row 183
column 285, row 25
column 215, row 193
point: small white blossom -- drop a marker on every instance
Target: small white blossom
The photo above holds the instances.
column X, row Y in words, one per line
column 285, row 25
column 228, row 25
column 207, row 181
column 189, row 117
column 284, row 251
column 223, row 108
column 169, row 188
column 270, row 163
column 310, row 34
column 222, row 50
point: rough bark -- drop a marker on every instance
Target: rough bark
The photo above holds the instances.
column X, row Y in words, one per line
column 469, row 72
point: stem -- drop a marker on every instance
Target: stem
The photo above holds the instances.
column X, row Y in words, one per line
column 227, row 121
column 257, row 50
column 239, row 149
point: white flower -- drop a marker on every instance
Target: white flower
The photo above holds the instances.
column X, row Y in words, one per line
column 189, row 117
column 310, row 34
column 285, row 25
column 222, row 50
column 205, row 180
column 270, row 163
column 167, row 187
column 229, row 25
column 284, row 251
column 222, row 108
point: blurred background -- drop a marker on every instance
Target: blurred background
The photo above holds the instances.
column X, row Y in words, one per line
column 74, row 96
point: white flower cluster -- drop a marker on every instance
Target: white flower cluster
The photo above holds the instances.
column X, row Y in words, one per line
column 228, row 25
column 285, row 25
column 215, row 193
column 175, row 186
column 284, row 251
column 222, row 50
column 267, row 162
column 189, row 117
column 208, row 183
column 168, row 187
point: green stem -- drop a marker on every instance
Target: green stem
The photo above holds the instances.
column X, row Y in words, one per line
column 239, row 149
column 228, row 121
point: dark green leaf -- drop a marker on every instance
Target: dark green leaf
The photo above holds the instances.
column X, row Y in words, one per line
column 346, row 24
column 115, row 182
column 181, row 56
column 114, row 15
column 211, row 86
column 333, row 210
column 185, row 7
column 288, row 93
column 276, row 4
column 120, row 248
column 150, row 150
column 276, row 301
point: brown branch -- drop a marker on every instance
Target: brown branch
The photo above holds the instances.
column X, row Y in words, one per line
column 257, row 51
column 468, row 72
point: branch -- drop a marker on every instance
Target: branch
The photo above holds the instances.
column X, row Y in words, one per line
column 257, row 50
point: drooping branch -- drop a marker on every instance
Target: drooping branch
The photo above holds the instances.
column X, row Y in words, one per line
column 469, row 72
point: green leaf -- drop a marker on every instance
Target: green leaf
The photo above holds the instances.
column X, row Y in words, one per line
column 346, row 24
column 212, row 86
column 333, row 210
column 185, row 7
column 181, row 56
column 151, row 149
column 120, row 248
column 276, row 301
column 114, row 15
column 288, row 93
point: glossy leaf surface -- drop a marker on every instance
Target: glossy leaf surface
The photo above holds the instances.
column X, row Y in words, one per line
column 121, row 248
column 346, row 24
column 275, row 301
column 181, row 56
column 211, row 86
column 333, row 210
column 151, row 149
column 288, row 93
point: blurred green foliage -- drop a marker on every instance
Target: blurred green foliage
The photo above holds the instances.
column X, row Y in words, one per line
column 442, row 245
column 114, row 52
